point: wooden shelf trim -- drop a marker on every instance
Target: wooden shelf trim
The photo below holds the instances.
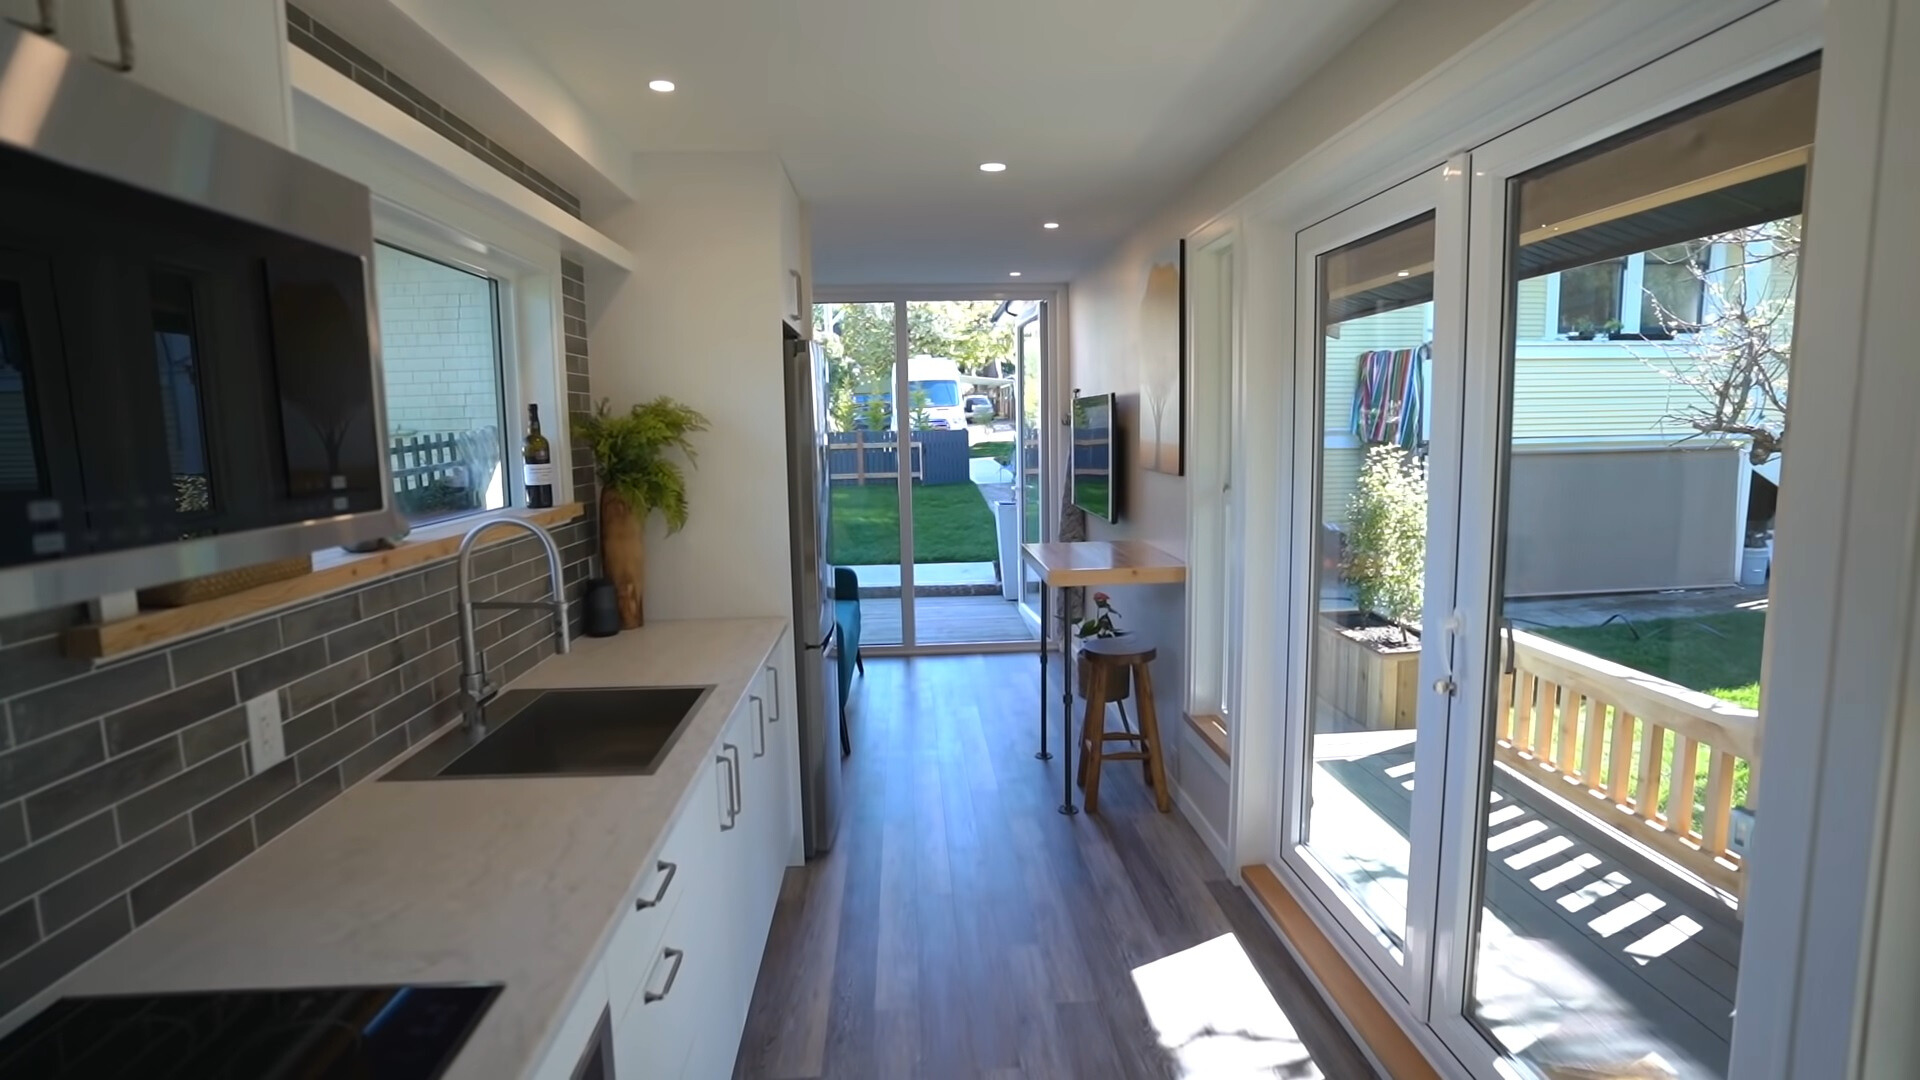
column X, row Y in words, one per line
column 1213, row 732
column 1369, row 1019
column 332, row 572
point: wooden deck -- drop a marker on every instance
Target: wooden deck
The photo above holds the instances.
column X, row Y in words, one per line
column 944, row 620
column 1592, row 953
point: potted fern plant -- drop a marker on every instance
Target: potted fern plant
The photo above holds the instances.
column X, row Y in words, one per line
column 631, row 457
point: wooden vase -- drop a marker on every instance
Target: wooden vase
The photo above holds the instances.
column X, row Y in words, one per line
column 623, row 551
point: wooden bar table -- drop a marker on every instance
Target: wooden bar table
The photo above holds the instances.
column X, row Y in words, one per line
column 1094, row 563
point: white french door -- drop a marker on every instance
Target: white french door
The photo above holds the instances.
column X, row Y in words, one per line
column 1376, row 414
column 1521, row 674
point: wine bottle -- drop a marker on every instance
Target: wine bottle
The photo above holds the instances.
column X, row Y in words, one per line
column 538, row 457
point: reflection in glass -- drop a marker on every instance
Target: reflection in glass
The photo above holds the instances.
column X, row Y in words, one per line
column 1028, row 457
column 1638, row 500
column 962, row 351
column 1376, row 313
column 20, row 467
column 440, row 350
column 176, row 352
column 863, row 461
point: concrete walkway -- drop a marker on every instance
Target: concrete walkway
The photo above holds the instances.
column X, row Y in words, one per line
column 928, row 574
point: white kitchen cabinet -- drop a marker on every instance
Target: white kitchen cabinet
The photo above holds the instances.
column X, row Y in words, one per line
column 688, row 1002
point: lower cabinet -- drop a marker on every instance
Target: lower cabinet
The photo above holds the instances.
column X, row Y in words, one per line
column 687, row 962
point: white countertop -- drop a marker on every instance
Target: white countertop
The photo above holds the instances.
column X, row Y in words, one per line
column 517, row 881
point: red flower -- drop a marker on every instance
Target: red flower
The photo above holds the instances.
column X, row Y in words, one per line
column 1101, row 598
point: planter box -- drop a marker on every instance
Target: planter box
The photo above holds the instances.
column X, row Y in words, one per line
column 1373, row 687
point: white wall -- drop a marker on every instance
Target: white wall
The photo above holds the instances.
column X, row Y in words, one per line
column 1408, row 41
column 699, row 320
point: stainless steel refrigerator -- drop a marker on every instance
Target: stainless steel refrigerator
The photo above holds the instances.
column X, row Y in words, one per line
column 817, row 651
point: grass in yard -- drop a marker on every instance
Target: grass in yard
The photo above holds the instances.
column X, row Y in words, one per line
column 1001, row 450
column 951, row 523
column 1714, row 654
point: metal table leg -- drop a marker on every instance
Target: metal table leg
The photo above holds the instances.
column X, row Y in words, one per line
column 1066, row 712
column 1043, row 755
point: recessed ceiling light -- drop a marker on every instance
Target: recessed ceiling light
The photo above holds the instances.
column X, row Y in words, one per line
column 663, row 86
column 1051, row 225
column 993, row 166
column 1013, row 273
column 1403, row 273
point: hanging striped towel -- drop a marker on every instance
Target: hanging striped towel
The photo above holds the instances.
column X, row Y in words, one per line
column 1389, row 397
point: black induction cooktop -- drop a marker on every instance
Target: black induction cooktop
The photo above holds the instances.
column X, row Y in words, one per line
column 332, row 1033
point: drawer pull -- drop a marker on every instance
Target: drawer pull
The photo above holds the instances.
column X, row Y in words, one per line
column 760, row 724
column 676, row 955
column 659, row 894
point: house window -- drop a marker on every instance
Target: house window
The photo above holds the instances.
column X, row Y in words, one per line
column 1590, row 296
column 440, row 348
column 1673, row 291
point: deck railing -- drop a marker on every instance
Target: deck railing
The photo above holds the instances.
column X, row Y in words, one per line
column 1625, row 748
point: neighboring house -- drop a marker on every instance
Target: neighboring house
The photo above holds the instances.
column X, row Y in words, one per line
column 1613, row 494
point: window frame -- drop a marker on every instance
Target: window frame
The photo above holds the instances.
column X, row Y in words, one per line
column 504, row 368
column 527, row 318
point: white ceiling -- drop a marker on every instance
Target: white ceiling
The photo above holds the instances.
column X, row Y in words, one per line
column 883, row 109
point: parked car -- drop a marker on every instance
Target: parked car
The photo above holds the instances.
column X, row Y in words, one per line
column 979, row 408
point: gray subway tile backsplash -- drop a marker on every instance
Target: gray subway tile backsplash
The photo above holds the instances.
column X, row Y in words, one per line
column 75, row 701
column 66, row 902
column 132, row 787
column 19, row 929
column 159, row 717
column 54, row 857
column 103, row 785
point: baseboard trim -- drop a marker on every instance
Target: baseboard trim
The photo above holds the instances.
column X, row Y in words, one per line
column 1379, row 1034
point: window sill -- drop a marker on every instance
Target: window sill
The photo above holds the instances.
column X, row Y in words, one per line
column 333, row 570
column 1213, row 732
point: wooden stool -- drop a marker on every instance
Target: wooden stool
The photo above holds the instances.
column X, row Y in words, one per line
column 1113, row 656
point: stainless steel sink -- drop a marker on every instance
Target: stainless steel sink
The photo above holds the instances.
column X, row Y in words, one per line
column 617, row 731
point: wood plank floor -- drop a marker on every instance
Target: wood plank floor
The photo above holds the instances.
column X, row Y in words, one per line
column 961, row 928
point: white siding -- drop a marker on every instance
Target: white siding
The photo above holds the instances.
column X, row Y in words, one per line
column 1530, row 310
column 1600, row 390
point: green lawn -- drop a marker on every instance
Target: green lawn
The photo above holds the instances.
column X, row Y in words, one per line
column 951, row 523
column 1715, row 654
column 1001, row 449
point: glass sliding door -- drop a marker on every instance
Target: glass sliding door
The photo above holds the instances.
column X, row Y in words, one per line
column 962, row 371
column 1635, row 391
column 1027, row 462
column 929, row 405
column 1378, row 576
column 864, row 461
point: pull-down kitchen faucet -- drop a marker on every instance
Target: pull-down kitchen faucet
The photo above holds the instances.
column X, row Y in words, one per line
column 475, row 689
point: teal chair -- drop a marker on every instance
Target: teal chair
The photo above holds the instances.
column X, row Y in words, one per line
column 846, row 619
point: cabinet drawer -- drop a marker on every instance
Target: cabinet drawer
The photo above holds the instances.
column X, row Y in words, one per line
column 683, row 861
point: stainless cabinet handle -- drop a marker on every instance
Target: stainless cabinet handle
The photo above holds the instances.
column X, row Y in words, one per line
column 739, row 797
column 675, row 955
column 659, row 894
column 733, row 815
column 760, row 725
column 773, row 691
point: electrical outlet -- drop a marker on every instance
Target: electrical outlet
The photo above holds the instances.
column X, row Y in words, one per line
column 266, row 744
column 1740, row 832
